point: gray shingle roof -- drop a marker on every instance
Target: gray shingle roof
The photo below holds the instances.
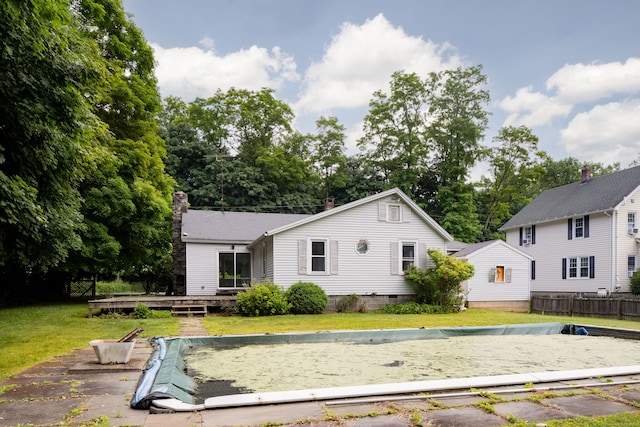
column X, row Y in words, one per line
column 232, row 227
column 599, row 194
column 471, row 247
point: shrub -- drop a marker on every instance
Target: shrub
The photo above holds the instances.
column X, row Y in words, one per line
column 307, row 298
column 141, row 311
column 411, row 308
column 347, row 302
column 440, row 285
column 635, row 283
column 263, row 299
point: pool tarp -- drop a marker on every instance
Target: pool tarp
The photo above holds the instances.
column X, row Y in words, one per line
column 165, row 375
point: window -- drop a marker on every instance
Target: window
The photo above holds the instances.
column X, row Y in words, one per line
column 408, row 255
column 318, row 256
column 499, row 275
column 362, row 247
column 579, row 227
column 631, row 264
column 631, row 223
column 527, row 235
column 234, row 269
column 578, row 267
column 394, row 213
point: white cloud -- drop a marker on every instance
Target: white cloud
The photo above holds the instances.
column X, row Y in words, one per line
column 360, row 60
column 607, row 133
column 579, row 83
column 531, row 109
column 193, row 72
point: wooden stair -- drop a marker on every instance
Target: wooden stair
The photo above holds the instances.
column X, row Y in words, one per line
column 189, row 310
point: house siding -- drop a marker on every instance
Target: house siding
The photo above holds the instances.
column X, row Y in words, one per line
column 479, row 288
column 356, row 273
column 202, row 266
column 552, row 245
column 627, row 245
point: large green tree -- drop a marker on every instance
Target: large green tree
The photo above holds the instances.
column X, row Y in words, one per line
column 329, row 155
column 395, row 141
column 49, row 76
column 127, row 206
column 515, row 165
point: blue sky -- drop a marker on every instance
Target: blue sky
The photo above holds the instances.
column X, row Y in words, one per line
column 568, row 69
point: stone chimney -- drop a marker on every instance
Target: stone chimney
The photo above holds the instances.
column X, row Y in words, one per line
column 180, row 204
column 586, row 173
column 329, row 203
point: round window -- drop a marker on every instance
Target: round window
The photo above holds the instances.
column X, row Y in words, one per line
column 362, row 247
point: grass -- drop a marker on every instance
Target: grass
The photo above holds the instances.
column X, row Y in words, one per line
column 338, row 321
column 34, row 334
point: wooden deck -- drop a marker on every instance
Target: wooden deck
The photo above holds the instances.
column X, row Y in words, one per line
column 160, row 302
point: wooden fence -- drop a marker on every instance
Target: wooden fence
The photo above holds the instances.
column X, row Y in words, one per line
column 622, row 307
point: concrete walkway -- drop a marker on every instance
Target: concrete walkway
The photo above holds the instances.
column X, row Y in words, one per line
column 75, row 390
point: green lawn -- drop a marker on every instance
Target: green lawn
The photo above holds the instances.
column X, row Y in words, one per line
column 33, row 334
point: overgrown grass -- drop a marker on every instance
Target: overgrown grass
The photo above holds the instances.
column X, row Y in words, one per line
column 34, row 334
column 118, row 287
column 625, row 419
column 377, row 320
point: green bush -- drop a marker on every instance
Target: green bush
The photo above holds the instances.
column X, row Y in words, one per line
column 263, row 299
column 347, row 302
column 635, row 283
column 141, row 311
column 411, row 308
column 307, row 298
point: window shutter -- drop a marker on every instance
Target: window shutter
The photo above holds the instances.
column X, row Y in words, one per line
column 533, row 234
column 570, row 229
column 521, row 233
column 406, row 214
column 533, row 270
column 507, row 275
column 302, row 256
column 382, row 211
column 394, row 258
column 492, row 275
column 592, row 267
column 423, row 257
column 586, row 226
column 564, row 268
column 334, row 257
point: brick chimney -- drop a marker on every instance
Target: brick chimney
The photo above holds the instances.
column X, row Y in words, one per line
column 329, row 203
column 179, row 255
column 586, row 173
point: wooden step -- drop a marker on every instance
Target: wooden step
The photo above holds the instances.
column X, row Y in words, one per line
column 189, row 310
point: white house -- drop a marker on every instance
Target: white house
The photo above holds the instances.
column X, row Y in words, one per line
column 360, row 248
column 502, row 275
column 583, row 237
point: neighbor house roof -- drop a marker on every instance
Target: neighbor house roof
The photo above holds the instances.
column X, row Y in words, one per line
column 476, row 248
column 231, row 227
column 599, row 194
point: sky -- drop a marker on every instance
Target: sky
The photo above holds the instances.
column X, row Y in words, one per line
column 567, row 69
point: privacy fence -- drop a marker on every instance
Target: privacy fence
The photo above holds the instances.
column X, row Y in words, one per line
column 615, row 306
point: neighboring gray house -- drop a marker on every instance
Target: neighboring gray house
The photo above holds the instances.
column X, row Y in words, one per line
column 502, row 275
column 359, row 248
column 583, row 237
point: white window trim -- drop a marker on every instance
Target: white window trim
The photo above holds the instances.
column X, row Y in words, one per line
column 635, row 264
column 575, row 227
column 416, row 258
column 327, row 256
column 632, row 227
column 578, row 268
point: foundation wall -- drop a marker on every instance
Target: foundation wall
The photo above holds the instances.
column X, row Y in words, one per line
column 515, row 306
column 368, row 302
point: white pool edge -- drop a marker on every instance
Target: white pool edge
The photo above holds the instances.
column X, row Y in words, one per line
column 296, row 396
